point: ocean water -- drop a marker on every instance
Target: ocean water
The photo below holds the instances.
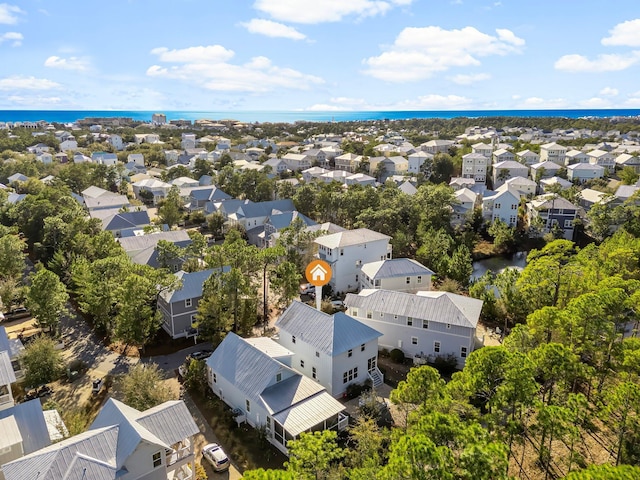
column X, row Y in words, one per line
column 68, row 116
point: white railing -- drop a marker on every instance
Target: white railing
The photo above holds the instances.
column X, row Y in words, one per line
column 178, row 455
column 7, row 398
column 343, row 421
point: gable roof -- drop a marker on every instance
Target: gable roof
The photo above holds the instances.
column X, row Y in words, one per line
column 441, row 307
column 263, row 209
column 396, row 267
column 350, row 237
column 192, row 284
column 30, row 425
column 330, row 334
column 124, row 220
column 7, row 375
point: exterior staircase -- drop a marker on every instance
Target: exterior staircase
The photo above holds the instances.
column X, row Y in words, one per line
column 376, row 376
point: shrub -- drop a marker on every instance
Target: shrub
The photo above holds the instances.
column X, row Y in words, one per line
column 397, row 355
column 446, row 364
column 355, row 390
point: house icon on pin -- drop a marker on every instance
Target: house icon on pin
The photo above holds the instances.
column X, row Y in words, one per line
column 318, row 274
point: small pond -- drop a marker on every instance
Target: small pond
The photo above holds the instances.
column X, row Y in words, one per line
column 497, row 264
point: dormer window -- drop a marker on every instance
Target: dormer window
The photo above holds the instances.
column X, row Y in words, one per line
column 187, row 303
column 278, row 377
column 293, row 339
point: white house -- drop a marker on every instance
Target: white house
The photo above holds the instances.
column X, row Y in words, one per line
column 399, row 274
column 121, row 443
column 576, row 156
column 255, row 376
column 69, row 144
column 552, row 152
column 603, row 158
column 466, row 202
column 544, row 169
column 436, row 146
column 334, row 350
column 417, row 159
column 524, row 186
column 137, row 158
column 360, row 179
column 501, row 204
column 503, row 155
column 116, row 142
column 313, row 173
column 348, row 161
column 627, row 160
column 482, row 149
column 157, row 188
column 45, row 158
column 503, row 171
column 347, row 251
column 297, row 161
column 527, row 157
column 580, row 172
column 423, row 325
column 547, row 184
column 474, row 165
column 552, row 211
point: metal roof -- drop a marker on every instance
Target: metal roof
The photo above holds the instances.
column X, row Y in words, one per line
column 31, row 423
column 441, row 307
column 134, row 244
column 192, row 284
column 396, row 267
column 269, row 347
column 293, row 390
column 10, row 432
column 306, row 415
column 330, row 334
column 247, row 368
column 170, row 421
column 7, row 375
column 350, row 237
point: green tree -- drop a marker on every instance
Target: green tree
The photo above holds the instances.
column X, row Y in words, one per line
column 170, row 209
column 143, row 387
column 47, row 299
column 42, row 362
column 312, row 454
column 12, row 256
column 622, row 410
column 503, row 235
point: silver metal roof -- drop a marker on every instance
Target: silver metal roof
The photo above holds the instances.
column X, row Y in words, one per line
column 269, row 346
column 170, row 421
column 306, row 415
column 291, row 391
column 31, row 422
column 330, row 334
column 396, row 267
column 10, row 433
column 442, row 307
column 350, row 237
column 7, row 375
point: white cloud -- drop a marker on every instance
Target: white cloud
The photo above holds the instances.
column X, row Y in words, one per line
column 418, row 53
column 595, row 102
column 211, row 53
column 324, row 107
column 14, row 37
column 602, row 63
column 9, row 13
column 314, row 11
column 19, row 82
column 516, row 97
column 273, row 29
column 469, row 79
column 435, row 102
column 209, row 68
column 33, row 101
column 633, row 101
column 625, row 34
column 537, row 102
column 71, row 63
column 609, row 92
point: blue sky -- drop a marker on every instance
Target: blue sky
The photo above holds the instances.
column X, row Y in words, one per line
column 319, row 54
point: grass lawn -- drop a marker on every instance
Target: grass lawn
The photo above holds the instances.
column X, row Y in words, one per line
column 244, row 443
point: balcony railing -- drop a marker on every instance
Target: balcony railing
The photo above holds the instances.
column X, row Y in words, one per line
column 178, row 455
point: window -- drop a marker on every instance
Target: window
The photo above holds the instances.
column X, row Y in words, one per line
column 568, row 224
column 369, row 314
column 497, row 205
column 362, row 347
column 419, row 278
column 414, row 340
column 349, row 375
column 448, row 325
column 301, row 363
column 317, row 354
column 409, row 321
column 342, row 251
column 381, row 314
column 278, row 377
column 350, row 353
column 215, row 378
column 354, row 312
column 157, row 459
column 408, row 280
column 425, row 324
column 314, row 373
column 463, row 352
column 194, row 321
column 248, row 405
column 436, row 347
column 395, row 317
column 357, row 278
column 187, row 302
column 293, row 339
column 377, row 283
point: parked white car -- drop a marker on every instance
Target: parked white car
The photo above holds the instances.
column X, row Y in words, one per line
column 216, row 457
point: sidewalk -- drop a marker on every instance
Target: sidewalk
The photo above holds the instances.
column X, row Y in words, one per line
column 207, row 436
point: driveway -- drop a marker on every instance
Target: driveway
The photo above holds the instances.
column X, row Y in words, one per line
column 170, row 363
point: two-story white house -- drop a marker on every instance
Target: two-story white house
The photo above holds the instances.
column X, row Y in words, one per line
column 348, row 162
column 552, row 152
column 399, row 274
column 334, row 350
column 482, row 149
column 603, row 158
column 581, row 172
column 503, row 155
column 524, row 186
column 502, row 171
column 546, row 169
column 122, row 443
column 347, row 251
column 527, row 157
column 501, row 204
column 423, row 325
column 255, row 377
column 576, row 156
column 416, row 160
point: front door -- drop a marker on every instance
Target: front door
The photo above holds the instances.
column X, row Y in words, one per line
column 371, row 363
